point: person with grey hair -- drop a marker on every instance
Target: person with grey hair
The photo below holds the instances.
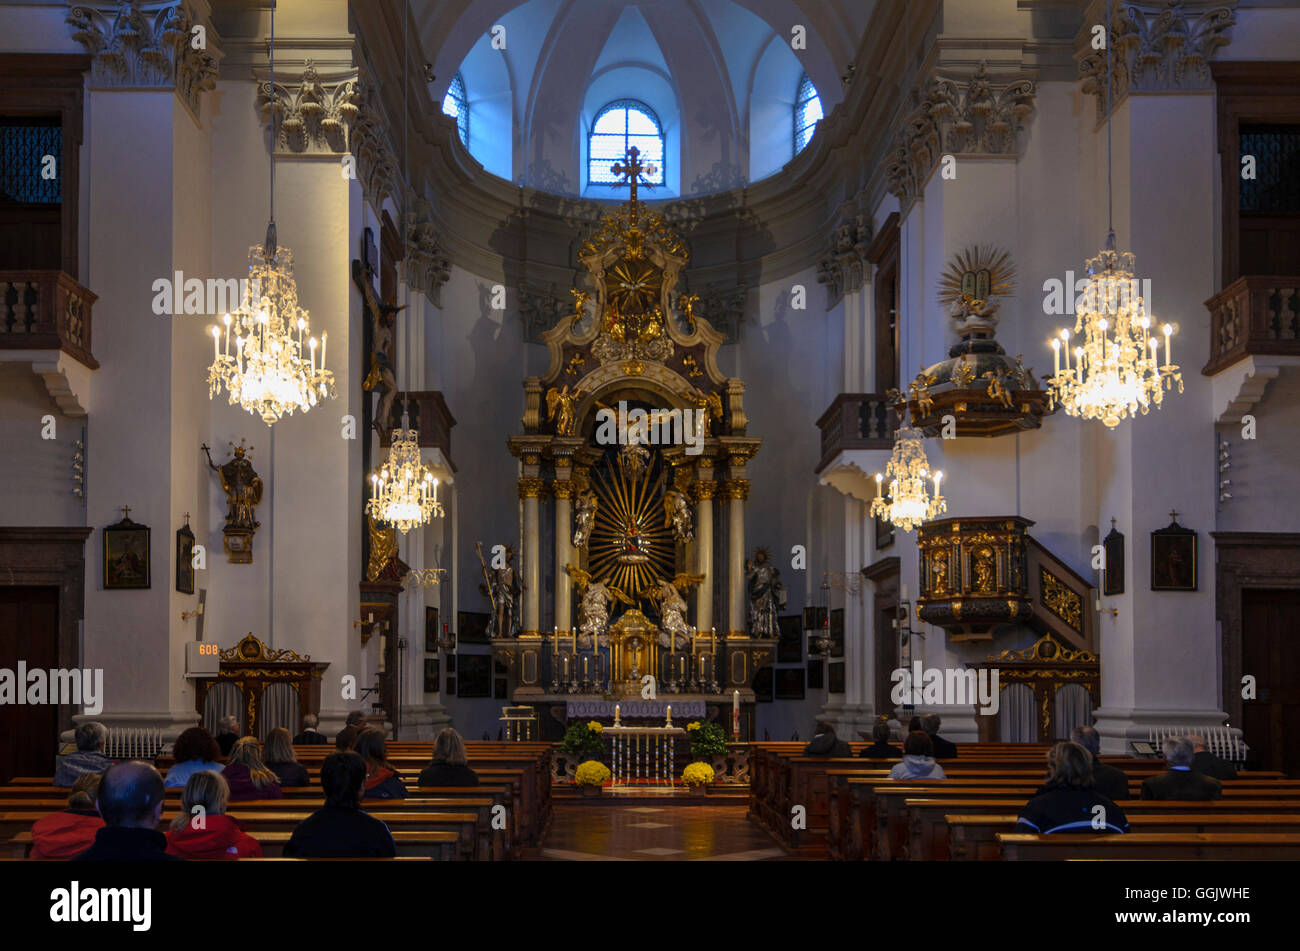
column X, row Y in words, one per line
column 1206, row 763
column 89, row 757
column 1181, row 782
column 310, row 736
column 1107, row 780
column 227, row 733
column 943, row 749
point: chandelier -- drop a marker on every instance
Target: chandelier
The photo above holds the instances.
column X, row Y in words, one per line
column 1116, row 370
column 404, row 492
column 270, row 373
column 909, row 502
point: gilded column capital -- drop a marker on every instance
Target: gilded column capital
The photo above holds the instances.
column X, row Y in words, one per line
column 737, row 489
column 531, row 488
column 704, row 491
column 564, row 488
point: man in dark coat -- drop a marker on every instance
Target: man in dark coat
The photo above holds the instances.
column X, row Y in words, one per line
column 943, row 749
column 130, row 801
column 826, row 743
column 341, row 830
column 1206, row 763
column 1181, row 782
column 310, row 736
column 228, row 734
column 1107, row 780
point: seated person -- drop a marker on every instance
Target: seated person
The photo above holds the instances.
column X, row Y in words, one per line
column 195, row 751
column 210, row 833
column 1181, row 782
column 247, row 775
column 917, row 763
column 227, row 734
column 61, row 835
column 1206, row 763
column 826, row 743
column 310, row 736
column 383, row 781
column 89, row 757
column 943, row 749
column 1107, row 780
column 342, row 829
column 281, row 760
column 130, row 800
column 881, row 748
column 346, row 739
column 914, row 724
column 1068, row 801
column 449, row 766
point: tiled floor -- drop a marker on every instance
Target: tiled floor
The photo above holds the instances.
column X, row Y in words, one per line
column 617, row 833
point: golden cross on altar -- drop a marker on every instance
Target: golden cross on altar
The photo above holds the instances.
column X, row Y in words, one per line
column 630, row 169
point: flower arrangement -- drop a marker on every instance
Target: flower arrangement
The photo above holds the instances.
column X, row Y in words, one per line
column 595, row 773
column 583, row 740
column 698, row 774
column 707, row 739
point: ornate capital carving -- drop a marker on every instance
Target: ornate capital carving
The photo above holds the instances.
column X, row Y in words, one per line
column 315, row 113
column 843, row 266
column 704, row 491
column 737, row 489
column 376, row 166
column 427, row 265
column 1155, row 45
column 969, row 115
column 564, row 488
column 540, row 309
column 139, row 43
column 531, row 488
column 722, row 307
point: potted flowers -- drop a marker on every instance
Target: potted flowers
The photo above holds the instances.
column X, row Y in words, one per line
column 698, row 777
column 707, row 740
column 583, row 741
column 592, row 775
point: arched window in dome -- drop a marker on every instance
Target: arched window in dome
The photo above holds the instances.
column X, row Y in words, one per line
column 807, row 113
column 456, row 105
column 619, row 126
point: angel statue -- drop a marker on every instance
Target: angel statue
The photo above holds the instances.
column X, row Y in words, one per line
column 596, row 599
column 766, row 595
column 673, row 629
column 677, row 513
column 709, row 406
column 559, row 409
column 584, row 518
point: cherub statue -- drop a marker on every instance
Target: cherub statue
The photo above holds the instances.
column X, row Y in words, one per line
column 595, row 600
column 920, row 391
column 584, row 518
column 998, row 390
column 709, row 405
column 677, row 513
column 559, row 409
column 666, row 596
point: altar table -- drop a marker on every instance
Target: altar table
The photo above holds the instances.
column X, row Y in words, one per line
column 642, row 752
column 658, row 709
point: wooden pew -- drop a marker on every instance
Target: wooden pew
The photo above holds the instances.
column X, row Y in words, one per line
column 440, row 846
column 1206, row 846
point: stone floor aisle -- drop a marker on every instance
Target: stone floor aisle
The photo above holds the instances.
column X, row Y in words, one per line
column 641, row 833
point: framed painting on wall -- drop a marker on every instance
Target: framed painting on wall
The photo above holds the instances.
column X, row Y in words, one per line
column 763, row 685
column 789, row 683
column 837, row 632
column 1113, row 549
column 789, row 649
column 431, row 675
column 126, row 555
column 475, row 674
column 430, row 630
column 471, row 627
column 816, row 674
column 185, row 559
column 837, row 678
column 1173, row 558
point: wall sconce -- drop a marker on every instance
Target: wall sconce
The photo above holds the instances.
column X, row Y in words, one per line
column 197, row 612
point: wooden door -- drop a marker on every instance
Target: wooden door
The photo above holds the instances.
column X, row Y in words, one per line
column 29, row 631
column 1271, row 656
column 886, row 656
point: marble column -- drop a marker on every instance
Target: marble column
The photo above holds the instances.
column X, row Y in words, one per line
column 705, row 489
column 564, row 489
column 737, row 493
column 530, row 491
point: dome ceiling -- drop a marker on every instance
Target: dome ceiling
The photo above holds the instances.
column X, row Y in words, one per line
column 719, row 74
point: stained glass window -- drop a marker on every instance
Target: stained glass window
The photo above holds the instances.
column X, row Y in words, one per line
column 807, row 113
column 618, row 127
column 456, row 104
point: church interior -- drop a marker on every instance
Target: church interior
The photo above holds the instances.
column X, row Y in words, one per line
column 731, row 430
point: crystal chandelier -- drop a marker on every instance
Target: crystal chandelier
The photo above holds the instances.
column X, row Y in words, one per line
column 404, row 492
column 268, row 374
column 1116, row 371
column 909, row 502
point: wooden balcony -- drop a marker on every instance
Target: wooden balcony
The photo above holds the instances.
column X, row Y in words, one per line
column 856, row 421
column 428, row 414
column 46, row 310
column 1254, row 316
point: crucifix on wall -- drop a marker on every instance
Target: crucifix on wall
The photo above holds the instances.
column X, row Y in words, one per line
column 631, row 170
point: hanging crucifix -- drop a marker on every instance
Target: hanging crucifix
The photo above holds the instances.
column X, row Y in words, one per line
column 631, row 169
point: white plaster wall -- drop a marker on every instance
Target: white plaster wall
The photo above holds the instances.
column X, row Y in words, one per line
column 36, row 473
column 1264, row 469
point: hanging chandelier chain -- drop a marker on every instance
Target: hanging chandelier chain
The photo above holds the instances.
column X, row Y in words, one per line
column 272, row 240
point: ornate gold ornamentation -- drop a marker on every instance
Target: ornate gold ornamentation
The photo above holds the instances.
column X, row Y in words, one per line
column 560, row 402
column 692, row 368
column 575, row 365
column 984, row 570
column 532, row 459
column 1060, row 600
column 1048, row 650
column 563, row 488
column 531, row 488
column 251, row 650
column 383, row 547
column 963, row 374
column 633, row 367
column 938, row 574
column 737, row 489
column 704, row 491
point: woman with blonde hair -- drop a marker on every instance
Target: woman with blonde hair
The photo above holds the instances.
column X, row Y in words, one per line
column 247, row 774
column 202, row 830
column 449, row 766
column 61, row 835
column 280, row 759
column 1068, row 801
column 383, row 781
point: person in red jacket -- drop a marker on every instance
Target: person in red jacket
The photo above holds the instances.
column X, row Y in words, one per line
column 61, row 835
column 247, row 775
column 207, row 832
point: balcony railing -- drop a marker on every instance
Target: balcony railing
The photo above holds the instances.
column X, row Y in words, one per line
column 856, row 421
column 46, row 310
column 1254, row 315
column 427, row 412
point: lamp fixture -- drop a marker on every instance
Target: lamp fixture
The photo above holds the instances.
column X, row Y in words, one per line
column 909, row 501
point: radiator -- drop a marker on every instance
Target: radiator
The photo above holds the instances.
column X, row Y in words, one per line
column 143, row 743
column 1218, row 739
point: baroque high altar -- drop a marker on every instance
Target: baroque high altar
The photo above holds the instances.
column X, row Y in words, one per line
column 631, row 438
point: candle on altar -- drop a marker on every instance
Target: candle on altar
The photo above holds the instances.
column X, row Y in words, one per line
column 668, row 714
column 735, row 714
column 616, row 714
column 555, row 639
column 713, row 637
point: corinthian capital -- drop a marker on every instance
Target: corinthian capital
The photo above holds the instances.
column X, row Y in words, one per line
column 377, row 168
column 155, row 43
column 427, row 265
column 843, row 266
column 972, row 115
column 1155, row 45
column 314, row 113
